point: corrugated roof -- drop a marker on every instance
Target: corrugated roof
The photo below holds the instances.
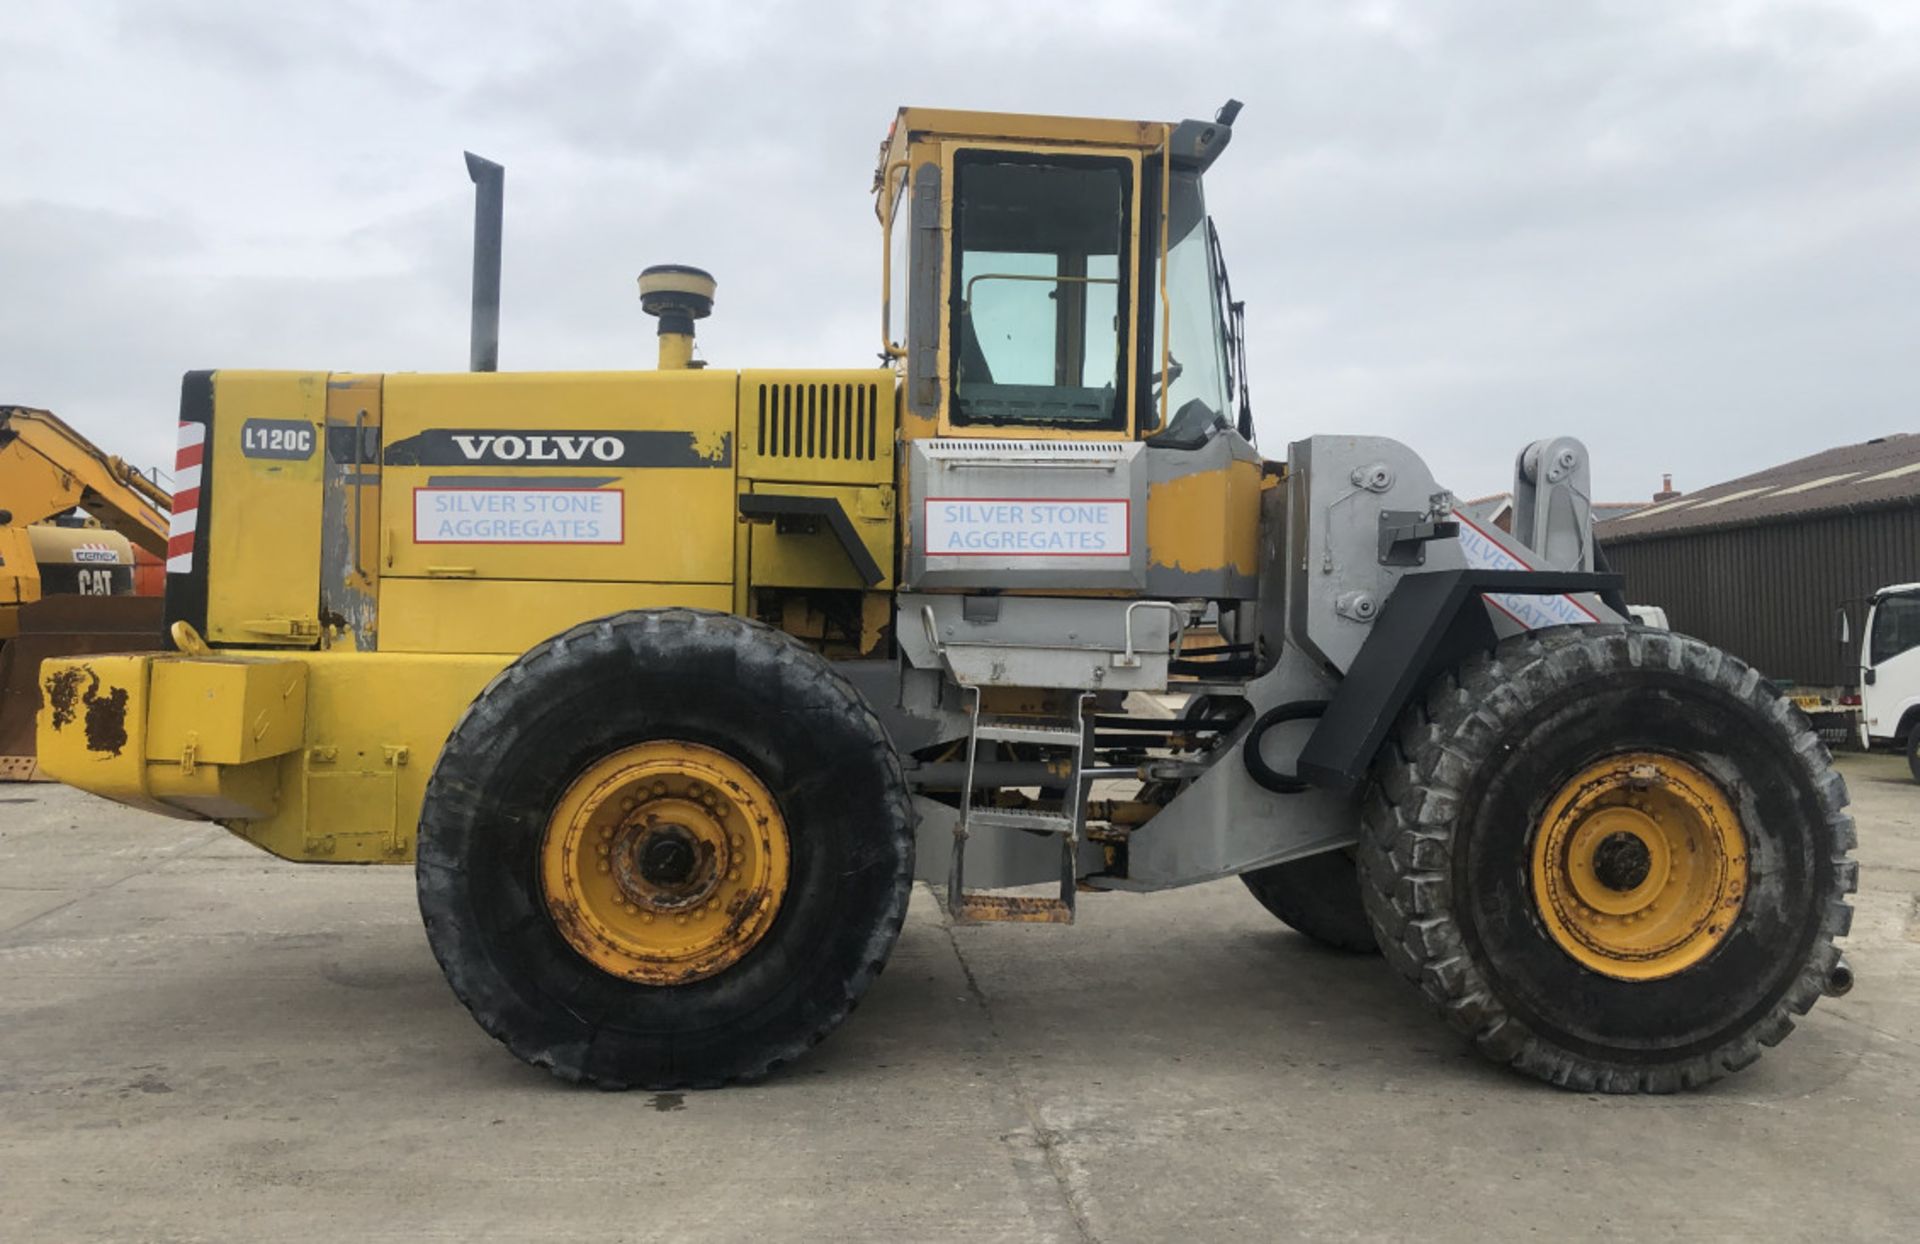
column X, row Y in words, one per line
column 1488, row 509
column 1881, row 472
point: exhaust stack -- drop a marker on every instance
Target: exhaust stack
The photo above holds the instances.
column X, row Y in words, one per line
column 489, row 182
column 678, row 295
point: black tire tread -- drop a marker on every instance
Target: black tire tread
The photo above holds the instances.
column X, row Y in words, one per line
column 453, row 776
column 1405, row 843
column 1318, row 898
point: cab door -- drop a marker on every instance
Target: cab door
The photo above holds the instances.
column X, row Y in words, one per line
column 1041, row 308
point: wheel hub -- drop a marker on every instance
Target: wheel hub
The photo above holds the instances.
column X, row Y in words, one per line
column 1622, row 861
column 665, row 862
column 667, row 856
column 1639, row 866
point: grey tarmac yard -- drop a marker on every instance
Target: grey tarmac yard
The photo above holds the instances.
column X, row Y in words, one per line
column 200, row 1042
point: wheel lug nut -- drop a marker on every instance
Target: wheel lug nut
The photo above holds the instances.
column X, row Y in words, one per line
column 679, row 919
column 733, row 874
column 602, row 866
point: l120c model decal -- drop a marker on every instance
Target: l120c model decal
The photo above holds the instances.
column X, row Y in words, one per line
column 290, row 440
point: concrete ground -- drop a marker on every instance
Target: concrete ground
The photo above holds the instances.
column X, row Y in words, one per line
column 199, row 1042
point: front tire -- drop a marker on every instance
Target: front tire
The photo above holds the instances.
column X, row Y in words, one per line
column 665, row 849
column 1913, row 751
column 1612, row 856
column 1318, row 896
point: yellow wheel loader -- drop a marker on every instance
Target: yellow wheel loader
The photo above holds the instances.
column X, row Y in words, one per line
column 67, row 584
column 670, row 684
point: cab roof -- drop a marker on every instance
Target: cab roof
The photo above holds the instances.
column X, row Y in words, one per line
column 956, row 123
column 911, row 123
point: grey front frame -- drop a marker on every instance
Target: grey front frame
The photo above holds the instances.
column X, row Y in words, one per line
column 1324, row 584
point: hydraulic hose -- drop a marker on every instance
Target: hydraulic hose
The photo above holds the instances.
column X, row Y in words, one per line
column 1257, row 767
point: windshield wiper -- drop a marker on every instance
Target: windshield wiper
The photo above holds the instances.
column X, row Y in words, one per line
column 1235, row 319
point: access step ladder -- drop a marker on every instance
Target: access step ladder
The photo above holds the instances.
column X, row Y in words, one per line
column 1068, row 739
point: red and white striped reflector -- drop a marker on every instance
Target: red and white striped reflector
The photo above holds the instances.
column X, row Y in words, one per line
column 187, row 461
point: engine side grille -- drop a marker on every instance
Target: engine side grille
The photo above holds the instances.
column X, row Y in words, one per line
column 838, row 422
column 824, row 426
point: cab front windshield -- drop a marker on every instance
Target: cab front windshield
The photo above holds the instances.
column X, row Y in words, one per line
column 1896, row 627
column 1041, row 298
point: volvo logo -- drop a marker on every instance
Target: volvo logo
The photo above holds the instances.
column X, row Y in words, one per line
column 552, row 447
column 555, row 447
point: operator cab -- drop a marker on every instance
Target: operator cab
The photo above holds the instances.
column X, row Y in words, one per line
column 1890, row 667
column 1069, row 285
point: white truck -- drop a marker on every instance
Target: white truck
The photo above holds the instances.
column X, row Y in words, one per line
column 1890, row 670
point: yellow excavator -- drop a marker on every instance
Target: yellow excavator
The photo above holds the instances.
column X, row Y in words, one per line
column 69, row 583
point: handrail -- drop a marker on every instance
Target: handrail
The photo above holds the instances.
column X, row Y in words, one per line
column 1166, row 300
column 881, row 194
column 359, row 479
column 1130, row 660
column 966, row 295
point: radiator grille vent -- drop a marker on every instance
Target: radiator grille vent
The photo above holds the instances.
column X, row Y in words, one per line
column 824, row 422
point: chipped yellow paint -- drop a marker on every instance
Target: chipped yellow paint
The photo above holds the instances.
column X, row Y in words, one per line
column 315, row 756
column 712, row 444
column 665, row 862
column 1206, row 521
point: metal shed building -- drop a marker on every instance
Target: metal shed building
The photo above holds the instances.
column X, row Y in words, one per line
column 1758, row 565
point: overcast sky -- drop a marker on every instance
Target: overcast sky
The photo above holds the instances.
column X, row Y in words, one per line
column 1687, row 233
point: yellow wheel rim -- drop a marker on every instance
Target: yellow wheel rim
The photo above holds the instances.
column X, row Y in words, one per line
column 665, row 862
column 1639, row 866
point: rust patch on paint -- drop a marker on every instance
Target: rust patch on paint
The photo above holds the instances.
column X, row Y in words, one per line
column 107, row 720
column 63, row 693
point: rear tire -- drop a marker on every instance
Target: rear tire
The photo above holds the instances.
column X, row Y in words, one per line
column 709, row 683
column 1462, row 795
column 1913, row 751
column 1318, row 896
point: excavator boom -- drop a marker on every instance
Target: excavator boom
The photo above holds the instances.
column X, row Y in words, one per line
column 47, row 468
